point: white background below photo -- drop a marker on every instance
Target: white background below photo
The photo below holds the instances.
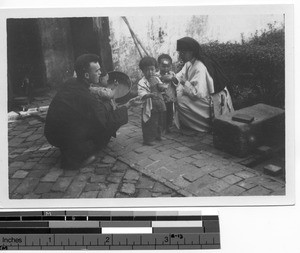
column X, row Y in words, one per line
column 246, row 229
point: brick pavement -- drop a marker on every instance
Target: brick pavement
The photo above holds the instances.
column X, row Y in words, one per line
column 184, row 163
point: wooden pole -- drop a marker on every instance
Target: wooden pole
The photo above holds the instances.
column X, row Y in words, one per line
column 134, row 35
column 135, row 42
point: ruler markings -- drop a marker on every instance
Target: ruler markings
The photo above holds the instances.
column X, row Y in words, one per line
column 80, row 232
column 189, row 246
column 98, row 247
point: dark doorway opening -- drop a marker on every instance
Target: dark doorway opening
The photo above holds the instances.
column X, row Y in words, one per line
column 91, row 35
column 26, row 70
column 83, row 37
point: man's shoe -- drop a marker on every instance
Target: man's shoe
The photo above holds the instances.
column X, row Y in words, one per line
column 88, row 161
column 160, row 138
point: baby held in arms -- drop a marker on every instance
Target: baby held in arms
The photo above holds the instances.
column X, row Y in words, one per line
column 102, row 92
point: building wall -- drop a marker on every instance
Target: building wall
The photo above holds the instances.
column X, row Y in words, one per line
column 57, row 49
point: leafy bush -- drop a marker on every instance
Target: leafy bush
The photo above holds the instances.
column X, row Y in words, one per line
column 256, row 67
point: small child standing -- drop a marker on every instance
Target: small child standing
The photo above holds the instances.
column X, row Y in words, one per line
column 165, row 65
column 153, row 107
column 102, row 93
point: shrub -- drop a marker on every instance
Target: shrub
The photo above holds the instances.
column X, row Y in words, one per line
column 256, row 67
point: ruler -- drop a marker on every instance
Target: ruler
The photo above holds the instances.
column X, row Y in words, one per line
column 103, row 230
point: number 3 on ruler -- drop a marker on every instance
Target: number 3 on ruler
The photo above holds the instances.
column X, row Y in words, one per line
column 166, row 238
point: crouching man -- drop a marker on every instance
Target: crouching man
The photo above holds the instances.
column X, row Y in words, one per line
column 76, row 122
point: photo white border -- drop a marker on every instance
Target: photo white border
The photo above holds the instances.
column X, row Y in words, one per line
column 288, row 199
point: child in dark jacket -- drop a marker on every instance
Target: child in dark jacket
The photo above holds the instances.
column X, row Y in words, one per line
column 150, row 91
column 165, row 66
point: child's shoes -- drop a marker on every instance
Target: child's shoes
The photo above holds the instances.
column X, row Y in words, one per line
column 148, row 143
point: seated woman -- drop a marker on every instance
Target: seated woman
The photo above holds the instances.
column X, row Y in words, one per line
column 201, row 87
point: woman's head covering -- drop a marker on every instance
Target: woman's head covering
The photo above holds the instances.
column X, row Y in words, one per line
column 213, row 67
column 188, row 44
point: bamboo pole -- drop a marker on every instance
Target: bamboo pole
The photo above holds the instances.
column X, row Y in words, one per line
column 135, row 42
column 134, row 35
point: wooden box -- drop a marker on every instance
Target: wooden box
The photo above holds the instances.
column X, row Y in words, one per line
column 238, row 138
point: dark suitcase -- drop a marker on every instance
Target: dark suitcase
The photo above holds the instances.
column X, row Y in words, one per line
column 240, row 132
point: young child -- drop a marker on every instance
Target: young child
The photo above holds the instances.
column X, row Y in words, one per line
column 153, row 107
column 165, row 65
column 102, row 92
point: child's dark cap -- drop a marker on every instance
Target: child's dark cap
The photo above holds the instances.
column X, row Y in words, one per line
column 147, row 61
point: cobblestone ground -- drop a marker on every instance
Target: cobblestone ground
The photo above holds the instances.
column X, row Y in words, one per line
column 184, row 163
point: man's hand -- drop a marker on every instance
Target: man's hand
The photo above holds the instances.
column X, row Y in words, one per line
column 128, row 104
column 134, row 102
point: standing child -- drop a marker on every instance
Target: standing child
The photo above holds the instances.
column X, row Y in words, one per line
column 153, row 107
column 165, row 65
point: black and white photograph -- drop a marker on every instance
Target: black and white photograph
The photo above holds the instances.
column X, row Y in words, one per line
column 153, row 104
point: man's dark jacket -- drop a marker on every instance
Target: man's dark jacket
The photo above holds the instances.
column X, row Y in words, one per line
column 75, row 117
